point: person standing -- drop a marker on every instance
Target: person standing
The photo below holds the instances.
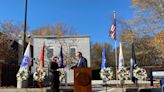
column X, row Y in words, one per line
column 55, row 74
column 81, row 61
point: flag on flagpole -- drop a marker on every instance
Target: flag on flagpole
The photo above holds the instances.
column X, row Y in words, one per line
column 61, row 57
column 41, row 60
column 132, row 64
column 121, row 58
column 112, row 31
column 103, row 65
column 26, row 58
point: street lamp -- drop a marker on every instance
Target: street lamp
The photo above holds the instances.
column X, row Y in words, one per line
column 24, row 32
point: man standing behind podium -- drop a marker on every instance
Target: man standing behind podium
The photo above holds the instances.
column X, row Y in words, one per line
column 81, row 61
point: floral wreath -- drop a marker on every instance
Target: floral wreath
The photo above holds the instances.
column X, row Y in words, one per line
column 39, row 75
column 62, row 74
column 22, row 74
column 106, row 74
column 140, row 73
column 123, row 74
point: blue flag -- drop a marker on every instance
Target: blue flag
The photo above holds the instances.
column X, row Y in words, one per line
column 132, row 63
column 103, row 65
column 26, row 58
column 61, row 58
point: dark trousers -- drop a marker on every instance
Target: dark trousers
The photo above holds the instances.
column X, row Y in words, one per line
column 55, row 82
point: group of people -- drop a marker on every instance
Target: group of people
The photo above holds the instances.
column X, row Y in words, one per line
column 55, row 69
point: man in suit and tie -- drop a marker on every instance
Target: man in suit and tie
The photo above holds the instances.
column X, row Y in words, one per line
column 81, row 61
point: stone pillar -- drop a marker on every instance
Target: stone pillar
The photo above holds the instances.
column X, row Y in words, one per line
column 20, row 50
column 19, row 84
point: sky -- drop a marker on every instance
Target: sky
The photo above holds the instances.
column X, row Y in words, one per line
column 87, row 17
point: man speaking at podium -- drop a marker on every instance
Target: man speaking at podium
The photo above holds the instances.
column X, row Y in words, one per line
column 81, row 61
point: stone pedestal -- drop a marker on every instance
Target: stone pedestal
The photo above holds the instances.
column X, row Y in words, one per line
column 22, row 84
column 19, row 84
column 25, row 84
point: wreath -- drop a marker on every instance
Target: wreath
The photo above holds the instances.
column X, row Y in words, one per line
column 39, row 75
column 123, row 74
column 62, row 74
column 22, row 74
column 106, row 74
column 140, row 73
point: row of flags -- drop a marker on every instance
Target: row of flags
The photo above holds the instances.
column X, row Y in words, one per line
column 27, row 57
column 121, row 60
column 112, row 34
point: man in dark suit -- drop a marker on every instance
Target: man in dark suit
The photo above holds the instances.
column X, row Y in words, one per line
column 81, row 61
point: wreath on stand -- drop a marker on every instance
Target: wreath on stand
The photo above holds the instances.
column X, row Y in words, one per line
column 106, row 74
column 123, row 74
column 140, row 73
column 62, row 74
column 39, row 75
column 22, row 74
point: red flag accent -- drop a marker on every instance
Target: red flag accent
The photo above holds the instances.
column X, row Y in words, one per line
column 112, row 31
column 41, row 60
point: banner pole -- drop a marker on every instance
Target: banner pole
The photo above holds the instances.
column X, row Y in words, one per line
column 114, row 16
column 116, row 58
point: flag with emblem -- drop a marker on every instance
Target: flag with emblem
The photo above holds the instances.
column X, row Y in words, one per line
column 26, row 58
column 103, row 65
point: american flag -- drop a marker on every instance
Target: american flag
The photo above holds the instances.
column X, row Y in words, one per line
column 112, row 31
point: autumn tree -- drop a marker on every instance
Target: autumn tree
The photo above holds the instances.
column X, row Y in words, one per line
column 149, row 16
column 96, row 55
column 57, row 30
column 46, row 30
column 146, row 53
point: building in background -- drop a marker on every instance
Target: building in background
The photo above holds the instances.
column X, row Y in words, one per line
column 70, row 45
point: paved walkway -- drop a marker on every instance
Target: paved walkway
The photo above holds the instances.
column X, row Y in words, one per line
column 97, row 86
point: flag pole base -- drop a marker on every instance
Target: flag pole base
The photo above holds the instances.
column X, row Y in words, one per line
column 19, row 84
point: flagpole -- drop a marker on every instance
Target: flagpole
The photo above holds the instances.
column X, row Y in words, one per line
column 114, row 15
column 116, row 58
column 25, row 24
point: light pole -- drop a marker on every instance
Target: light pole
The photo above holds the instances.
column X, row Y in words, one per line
column 21, row 84
column 24, row 32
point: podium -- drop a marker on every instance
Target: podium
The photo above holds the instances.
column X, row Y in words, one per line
column 82, row 80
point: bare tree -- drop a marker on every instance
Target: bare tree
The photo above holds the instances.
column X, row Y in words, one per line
column 8, row 44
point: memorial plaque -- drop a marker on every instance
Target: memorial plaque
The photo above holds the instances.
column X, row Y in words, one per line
column 82, row 80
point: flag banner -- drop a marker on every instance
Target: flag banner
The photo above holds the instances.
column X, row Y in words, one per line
column 61, row 57
column 103, row 65
column 112, row 31
column 41, row 60
column 132, row 64
column 121, row 58
column 26, row 58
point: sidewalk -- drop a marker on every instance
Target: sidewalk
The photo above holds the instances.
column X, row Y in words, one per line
column 97, row 86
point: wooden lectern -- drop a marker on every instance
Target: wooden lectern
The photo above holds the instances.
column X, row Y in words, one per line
column 82, row 80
